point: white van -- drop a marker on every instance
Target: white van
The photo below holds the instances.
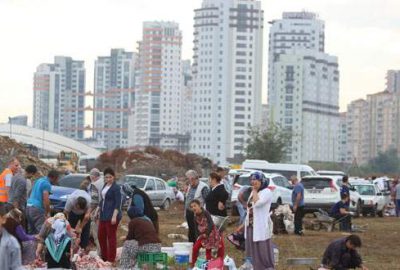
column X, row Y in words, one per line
column 286, row 170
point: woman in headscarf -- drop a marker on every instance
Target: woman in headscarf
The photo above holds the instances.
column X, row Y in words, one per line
column 257, row 231
column 142, row 237
column 58, row 245
column 26, row 241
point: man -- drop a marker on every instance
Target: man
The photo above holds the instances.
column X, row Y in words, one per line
column 6, row 178
column 342, row 254
column 241, row 203
column 77, row 210
column 38, row 206
column 397, row 199
column 10, row 250
column 17, row 194
column 340, row 211
column 345, row 188
column 298, row 205
column 94, row 189
column 178, row 195
column 196, row 190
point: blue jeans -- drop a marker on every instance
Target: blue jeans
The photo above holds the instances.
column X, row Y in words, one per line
column 242, row 212
column 397, row 208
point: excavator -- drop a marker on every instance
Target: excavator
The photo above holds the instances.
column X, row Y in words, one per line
column 67, row 161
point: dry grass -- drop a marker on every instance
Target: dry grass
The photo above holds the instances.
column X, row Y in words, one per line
column 380, row 251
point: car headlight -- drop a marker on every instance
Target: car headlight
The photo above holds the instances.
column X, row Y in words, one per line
column 64, row 197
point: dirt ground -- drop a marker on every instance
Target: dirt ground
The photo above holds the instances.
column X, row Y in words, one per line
column 380, row 251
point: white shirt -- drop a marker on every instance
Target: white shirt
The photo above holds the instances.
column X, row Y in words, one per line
column 104, row 191
column 179, row 196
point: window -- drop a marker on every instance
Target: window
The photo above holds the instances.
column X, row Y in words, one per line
column 150, row 185
column 160, row 185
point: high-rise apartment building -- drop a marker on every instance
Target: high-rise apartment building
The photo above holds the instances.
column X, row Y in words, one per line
column 59, row 97
column 157, row 114
column 393, row 81
column 227, row 67
column 303, row 87
column 114, row 93
column 187, row 96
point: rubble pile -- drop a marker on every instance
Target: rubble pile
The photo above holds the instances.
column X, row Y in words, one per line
column 10, row 148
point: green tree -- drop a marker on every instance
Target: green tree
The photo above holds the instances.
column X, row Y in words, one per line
column 271, row 144
column 386, row 162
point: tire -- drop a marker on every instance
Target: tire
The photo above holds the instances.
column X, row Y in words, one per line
column 166, row 204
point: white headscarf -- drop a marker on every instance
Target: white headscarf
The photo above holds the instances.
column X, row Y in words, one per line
column 59, row 226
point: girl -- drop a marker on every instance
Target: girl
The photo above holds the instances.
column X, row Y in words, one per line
column 209, row 236
column 110, row 215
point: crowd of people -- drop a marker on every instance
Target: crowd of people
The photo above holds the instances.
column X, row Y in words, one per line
column 91, row 216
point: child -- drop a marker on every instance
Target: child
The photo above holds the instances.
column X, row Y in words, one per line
column 9, row 247
column 208, row 235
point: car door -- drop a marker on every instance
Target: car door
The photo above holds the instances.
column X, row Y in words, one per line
column 287, row 191
column 161, row 191
column 381, row 201
column 150, row 189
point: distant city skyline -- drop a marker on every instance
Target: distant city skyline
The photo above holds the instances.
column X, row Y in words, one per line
column 363, row 34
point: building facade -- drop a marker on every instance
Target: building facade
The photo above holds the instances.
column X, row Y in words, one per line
column 114, row 94
column 393, row 81
column 227, row 67
column 157, row 117
column 59, row 97
column 303, row 87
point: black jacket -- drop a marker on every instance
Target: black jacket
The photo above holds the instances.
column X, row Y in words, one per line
column 219, row 194
column 334, row 256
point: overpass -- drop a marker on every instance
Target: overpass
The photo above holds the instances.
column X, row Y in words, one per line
column 48, row 141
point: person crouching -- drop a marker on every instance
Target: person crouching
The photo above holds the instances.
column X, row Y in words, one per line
column 142, row 237
column 208, row 235
column 58, row 246
column 340, row 211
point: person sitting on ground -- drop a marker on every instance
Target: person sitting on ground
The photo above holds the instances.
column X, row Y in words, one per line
column 27, row 242
column 208, row 235
column 142, row 237
column 58, row 246
column 340, row 211
column 10, row 258
column 341, row 254
column 141, row 200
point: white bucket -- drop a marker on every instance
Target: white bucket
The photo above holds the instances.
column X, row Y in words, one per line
column 183, row 246
column 169, row 250
column 182, row 257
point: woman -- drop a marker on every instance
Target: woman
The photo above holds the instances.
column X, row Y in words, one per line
column 26, row 241
column 142, row 237
column 110, row 215
column 217, row 197
column 209, row 237
column 58, row 246
column 141, row 200
column 257, row 231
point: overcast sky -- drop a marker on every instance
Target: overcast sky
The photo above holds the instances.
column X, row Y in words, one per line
column 364, row 34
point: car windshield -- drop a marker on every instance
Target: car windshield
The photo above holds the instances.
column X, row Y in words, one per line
column 71, row 181
column 318, row 183
column 365, row 189
column 139, row 182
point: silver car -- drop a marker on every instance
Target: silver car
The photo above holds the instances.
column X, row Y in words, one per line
column 160, row 193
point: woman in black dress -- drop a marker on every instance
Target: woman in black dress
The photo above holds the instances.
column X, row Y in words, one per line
column 217, row 197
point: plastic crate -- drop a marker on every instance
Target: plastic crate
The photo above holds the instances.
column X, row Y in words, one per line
column 152, row 259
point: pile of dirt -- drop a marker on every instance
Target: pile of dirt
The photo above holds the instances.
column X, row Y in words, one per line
column 10, row 148
column 153, row 161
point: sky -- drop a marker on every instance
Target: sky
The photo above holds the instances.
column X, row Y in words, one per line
column 364, row 34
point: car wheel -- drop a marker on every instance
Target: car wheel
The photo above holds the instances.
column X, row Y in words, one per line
column 166, row 204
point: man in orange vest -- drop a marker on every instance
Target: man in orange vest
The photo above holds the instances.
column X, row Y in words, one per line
column 5, row 178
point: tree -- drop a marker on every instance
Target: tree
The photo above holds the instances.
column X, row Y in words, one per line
column 271, row 145
column 386, row 162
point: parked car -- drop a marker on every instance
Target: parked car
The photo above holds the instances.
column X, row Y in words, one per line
column 322, row 192
column 66, row 185
column 330, row 173
column 160, row 193
column 373, row 200
column 278, row 184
